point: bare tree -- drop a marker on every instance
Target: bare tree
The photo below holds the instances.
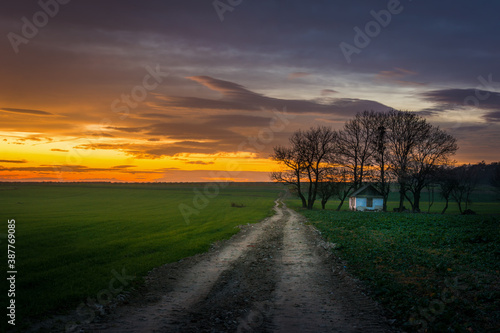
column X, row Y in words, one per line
column 305, row 159
column 371, row 147
column 292, row 159
column 356, row 145
column 327, row 187
column 406, row 131
column 447, row 182
column 466, row 181
column 434, row 150
column 380, row 156
column 318, row 144
column 343, row 186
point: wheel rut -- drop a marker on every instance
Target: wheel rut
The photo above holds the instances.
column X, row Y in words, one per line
column 274, row 276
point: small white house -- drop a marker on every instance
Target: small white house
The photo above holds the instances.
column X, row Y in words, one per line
column 366, row 198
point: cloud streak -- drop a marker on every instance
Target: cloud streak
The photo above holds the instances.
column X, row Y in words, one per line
column 237, row 97
column 27, row 111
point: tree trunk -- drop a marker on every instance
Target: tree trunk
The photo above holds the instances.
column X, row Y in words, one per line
column 445, row 206
column 340, row 205
column 310, row 204
column 386, row 198
column 304, row 202
column 459, row 203
column 384, row 190
column 430, row 192
column 402, row 193
column 301, row 196
column 310, row 200
column 323, row 204
column 416, row 202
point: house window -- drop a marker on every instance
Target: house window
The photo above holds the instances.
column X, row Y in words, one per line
column 369, row 202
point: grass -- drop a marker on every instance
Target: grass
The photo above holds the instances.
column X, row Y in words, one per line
column 436, row 273
column 71, row 237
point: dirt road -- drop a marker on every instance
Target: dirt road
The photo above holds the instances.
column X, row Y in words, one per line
column 274, row 276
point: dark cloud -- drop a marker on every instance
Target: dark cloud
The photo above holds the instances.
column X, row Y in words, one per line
column 452, row 99
column 155, row 115
column 326, row 92
column 200, row 162
column 292, row 34
column 237, row 120
column 237, row 97
column 492, row 116
column 125, row 166
column 154, row 151
column 13, row 161
column 466, row 97
column 27, row 111
column 92, row 53
column 69, row 168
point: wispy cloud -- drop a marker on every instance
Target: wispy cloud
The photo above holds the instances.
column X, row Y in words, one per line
column 237, row 97
column 327, row 92
column 27, row 111
column 398, row 76
column 13, row 161
column 298, row 75
column 200, row 162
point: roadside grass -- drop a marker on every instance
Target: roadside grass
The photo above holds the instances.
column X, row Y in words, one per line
column 434, row 273
column 72, row 240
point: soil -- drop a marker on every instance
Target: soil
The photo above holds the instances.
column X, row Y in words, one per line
column 278, row 275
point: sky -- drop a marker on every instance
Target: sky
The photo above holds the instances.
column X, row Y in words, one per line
column 190, row 91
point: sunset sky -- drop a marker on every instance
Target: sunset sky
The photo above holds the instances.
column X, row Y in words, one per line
column 203, row 90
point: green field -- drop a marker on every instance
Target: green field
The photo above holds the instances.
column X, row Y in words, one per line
column 437, row 273
column 72, row 240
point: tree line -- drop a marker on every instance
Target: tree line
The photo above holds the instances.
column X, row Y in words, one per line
column 382, row 149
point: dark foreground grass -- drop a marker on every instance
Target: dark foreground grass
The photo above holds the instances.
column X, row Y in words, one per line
column 75, row 241
column 433, row 273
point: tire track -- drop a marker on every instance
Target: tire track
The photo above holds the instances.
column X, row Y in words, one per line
column 274, row 276
column 310, row 297
column 192, row 287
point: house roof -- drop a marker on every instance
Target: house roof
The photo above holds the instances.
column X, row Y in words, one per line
column 367, row 191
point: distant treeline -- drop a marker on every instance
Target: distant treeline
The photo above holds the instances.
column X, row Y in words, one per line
column 487, row 173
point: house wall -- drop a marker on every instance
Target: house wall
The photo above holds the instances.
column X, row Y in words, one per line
column 360, row 204
column 352, row 203
column 378, row 203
